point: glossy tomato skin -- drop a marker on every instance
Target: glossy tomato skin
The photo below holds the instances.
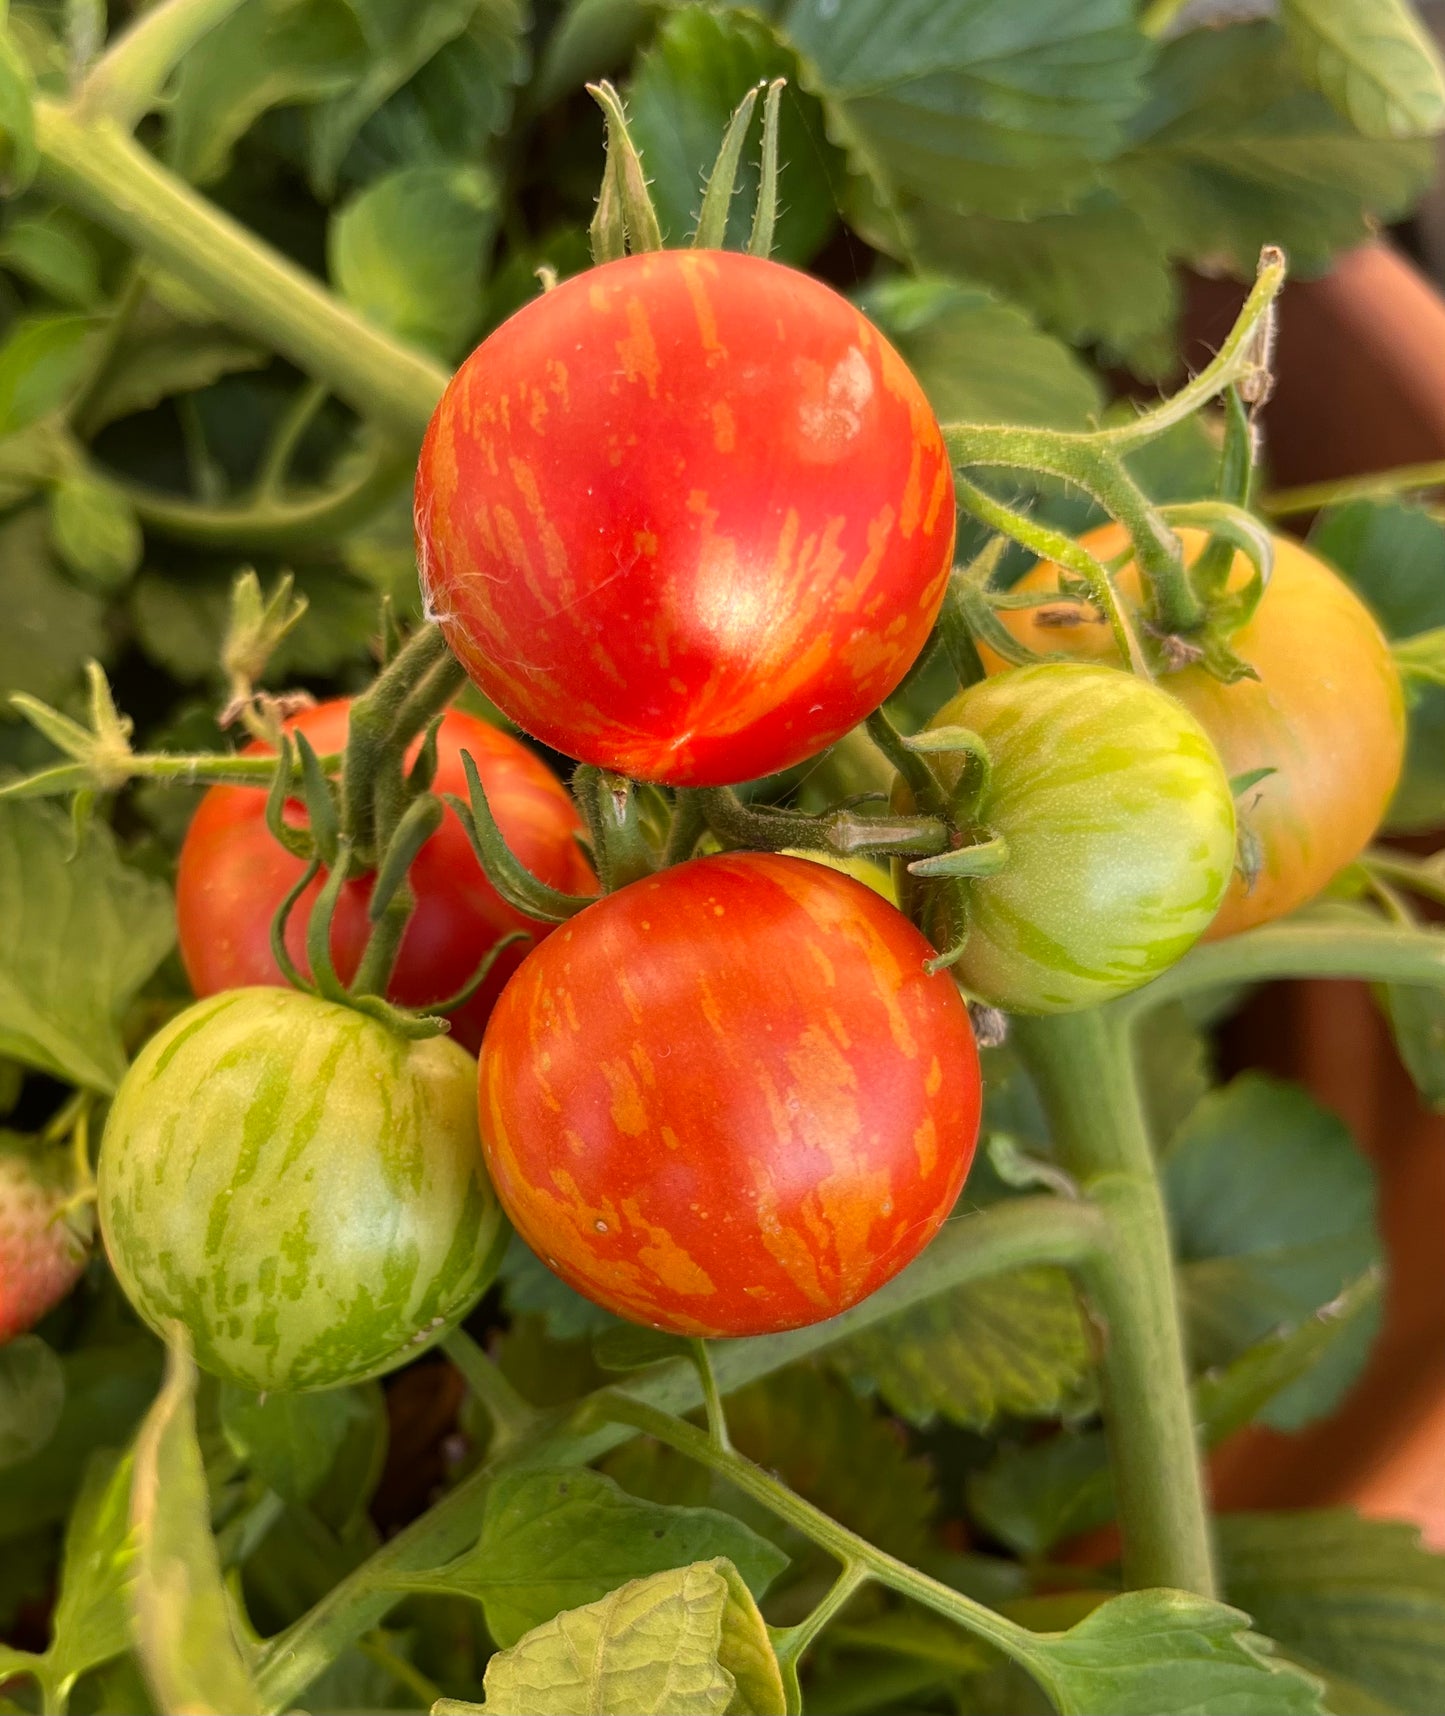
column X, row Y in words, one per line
column 233, row 875
column 1120, row 831
column 729, row 1100
column 687, row 516
column 1326, row 714
column 300, row 1186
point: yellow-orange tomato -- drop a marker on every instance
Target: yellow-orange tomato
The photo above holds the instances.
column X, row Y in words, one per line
column 1326, row 714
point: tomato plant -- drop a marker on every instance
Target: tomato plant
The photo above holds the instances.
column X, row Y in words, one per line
column 232, row 876
column 687, row 517
column 1325, row 717
column 779, row 371
column 299, row 1186
column 1119, row 829
column 717, row 1101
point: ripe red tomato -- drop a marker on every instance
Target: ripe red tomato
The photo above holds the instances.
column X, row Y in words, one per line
column 233, row 875
column 1326, row 714
column 729, row 1099
column 687, row 516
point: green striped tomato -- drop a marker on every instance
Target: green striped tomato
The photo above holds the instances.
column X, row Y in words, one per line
column 300, row 1186
column 1120, row 829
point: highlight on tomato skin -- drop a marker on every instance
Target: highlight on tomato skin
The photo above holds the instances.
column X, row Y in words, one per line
column 729, row 1099
column 1326, row 717
column 687, row 516
column 233, row 875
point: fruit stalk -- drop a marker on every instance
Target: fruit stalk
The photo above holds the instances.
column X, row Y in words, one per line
column 1083, row 1066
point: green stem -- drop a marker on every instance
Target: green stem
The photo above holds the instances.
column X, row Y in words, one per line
column 1012, row 1235
column 96, row 168
column 813, row 1523
column 717, row 1423
column 125, row 83
column 789, row 1643
column 1381, row 953
column 1082, row 1065
column 1090, row 464
column 405, row 1674
column 298, row 418
column 265, row 526
column 207, row 769
column 512, row 1419
column 128, row 300
column 1314, row 497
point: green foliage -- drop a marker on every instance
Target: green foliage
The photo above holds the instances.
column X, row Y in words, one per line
column 1273, row 1212
column 1359, row 1599
column 82, row 933
column 1009, row 1345
column 683, row 1643
column 1162, row 1653
column 408, row 252
column 559, row 1539
column 1373, row 59
column 32, row 1394
column 289, row 1440
column 183, row 1624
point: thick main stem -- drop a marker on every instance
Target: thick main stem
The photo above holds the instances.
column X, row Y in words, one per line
column 95, row 167
column 1083, row 1067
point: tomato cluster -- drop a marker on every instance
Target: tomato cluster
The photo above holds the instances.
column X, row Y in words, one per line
column 688, row 518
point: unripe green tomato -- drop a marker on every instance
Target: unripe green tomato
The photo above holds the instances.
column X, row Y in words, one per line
column 300, row 1186
column 1120, row 829
column 865, row 870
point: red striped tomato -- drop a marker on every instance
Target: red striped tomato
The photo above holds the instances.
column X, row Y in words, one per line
column 233, row 876
column 687, row 516
column 729, row 1099
column 299, row 1186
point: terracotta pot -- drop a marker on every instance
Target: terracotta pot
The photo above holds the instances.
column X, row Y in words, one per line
column 1361, row 387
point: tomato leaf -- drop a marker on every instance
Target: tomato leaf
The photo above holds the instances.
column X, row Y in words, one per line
column 289, row 1440
column 52, row 628
column 409, row 250
column 1166, row 1653
column 1394, row 555
column 1092, row 275
column 980, row 360
column 977, row 105
column 78, row 936
column 41, row 361
column 401, row 37
column 53, row 252
column 20, row 156
column 1374, row 60
column 679, row 101
column 823, row 1441
column 1360, row 1598
column 1273, row 1210
column 455, row 104
column 94, row 530
column 107, row 1389
column 92, row 1617
column 268, row 53
column 165, row 356
column 1417, row 1021
column 32, row 1394
column 557, row 1539
column 1233, row 152
column 185, row 1634
column 1010, row 1344
column 653, row 1646
column 1034, row 1495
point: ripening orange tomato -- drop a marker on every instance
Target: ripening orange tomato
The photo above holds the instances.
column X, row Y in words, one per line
column 729, row 1099
column 687, row 516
